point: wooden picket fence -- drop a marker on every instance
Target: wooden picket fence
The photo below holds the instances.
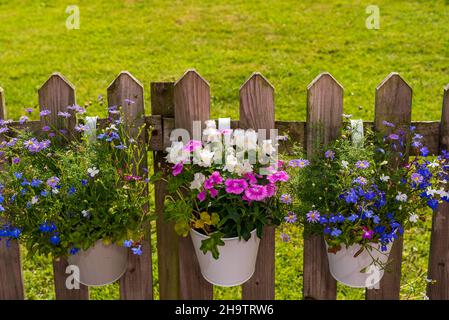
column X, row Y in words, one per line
column 177, row 105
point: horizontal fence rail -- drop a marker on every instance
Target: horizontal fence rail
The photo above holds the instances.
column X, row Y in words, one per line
column 176, row 105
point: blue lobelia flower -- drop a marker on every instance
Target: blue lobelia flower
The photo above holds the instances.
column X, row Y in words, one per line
column 424, row 151
column 137, row 251
column 71, row 191
column 74, row 250
column 335, row 232
column 351, row 196
column 128, row 243
column 47, row 227
column 376, row 219
column 432, row 203
column 36, row 183
column 18, row 175
column 353, row 217
column 327, row 230
column 55, row 240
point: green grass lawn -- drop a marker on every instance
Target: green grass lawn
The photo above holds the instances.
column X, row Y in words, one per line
column 290, row 42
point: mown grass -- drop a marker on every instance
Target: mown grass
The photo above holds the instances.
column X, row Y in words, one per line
column 289, row 41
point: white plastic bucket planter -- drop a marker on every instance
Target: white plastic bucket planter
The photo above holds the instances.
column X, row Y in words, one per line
column 360, row 271
column 101, row 264
column 236, row 263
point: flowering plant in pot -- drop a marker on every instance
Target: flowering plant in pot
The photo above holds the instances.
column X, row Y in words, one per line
column 223, row 192
column 76, row 199
column 361, row 195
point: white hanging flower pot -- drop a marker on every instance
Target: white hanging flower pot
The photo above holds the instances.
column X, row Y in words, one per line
column 364, row 271
column 101, row 264
column 236, row 263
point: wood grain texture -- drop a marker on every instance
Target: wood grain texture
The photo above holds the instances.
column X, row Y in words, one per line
column 324, row 119
column 257, row 112
column 162, row 105
column 438, row 271
column 393, row 103
column 192, row 103
column 127, row 92
column 55, row 95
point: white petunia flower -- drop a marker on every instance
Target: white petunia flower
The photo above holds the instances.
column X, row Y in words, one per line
column 198, row 181
column 413, row 218
column 93, row 171
column 205, row 157
column 241, row 169
column 267, row 147
column 55, row 190
column 344, row 164
column 230, row 163
column 34, row 200
column 176, row 153
column 86, row 213
column 384, row 178
column 402, row 197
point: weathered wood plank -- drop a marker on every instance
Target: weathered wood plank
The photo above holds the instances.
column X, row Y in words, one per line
column 324, row 119
column 55, row 95
column 11, row 279
column 394, row 104
column 192, row 103
column 257, row 112
column 438, row 289
column 127, row 92
column 162, row 105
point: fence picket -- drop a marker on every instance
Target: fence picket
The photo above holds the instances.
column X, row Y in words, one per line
column 162, row 104
column 11, row 279
column 324, row 113
column 127, row 92
column 394, row 104
column 192, row 103
column 55, row 95
column 257, row 112
column 438, row 289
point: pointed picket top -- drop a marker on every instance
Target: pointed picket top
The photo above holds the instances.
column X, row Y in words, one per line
column 321, row 77
column 257, row 103
column 192, row 73
column 393, row 102
column 255, row 77
column 127, row 75
column 446, row 87
column 57, row 77
column 393, row 76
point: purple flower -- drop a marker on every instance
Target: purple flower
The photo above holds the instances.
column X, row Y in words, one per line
column 53, row 182
column 286, row 198
column 256, row 192
column 16, row 160
column 329, row 154
column 360, row 180
column 55, row 240
column 285, row 237
column 362, row 164
column 4, row 129
column 45, row 128
column 291, row 217
column 313, row 216
column 393, row 136
column 235, row 186
column 23, row 119
column 416, row 177
column 424, row 151
column 388, row 124
column 64, row 114
column 278, row 176
column 45, row 113
column 81, row 128
column 177, row 168
column 299, row 163
column 129, row 101
column 29, row 110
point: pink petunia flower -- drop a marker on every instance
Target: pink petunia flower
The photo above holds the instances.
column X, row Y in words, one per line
column 250, row 177
column 271, row 190
column 177, row 168
column 192, row 145
column 213, row 192
column 278, row 176
column 235, row 186
column 201, row 196
column 256, row 192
